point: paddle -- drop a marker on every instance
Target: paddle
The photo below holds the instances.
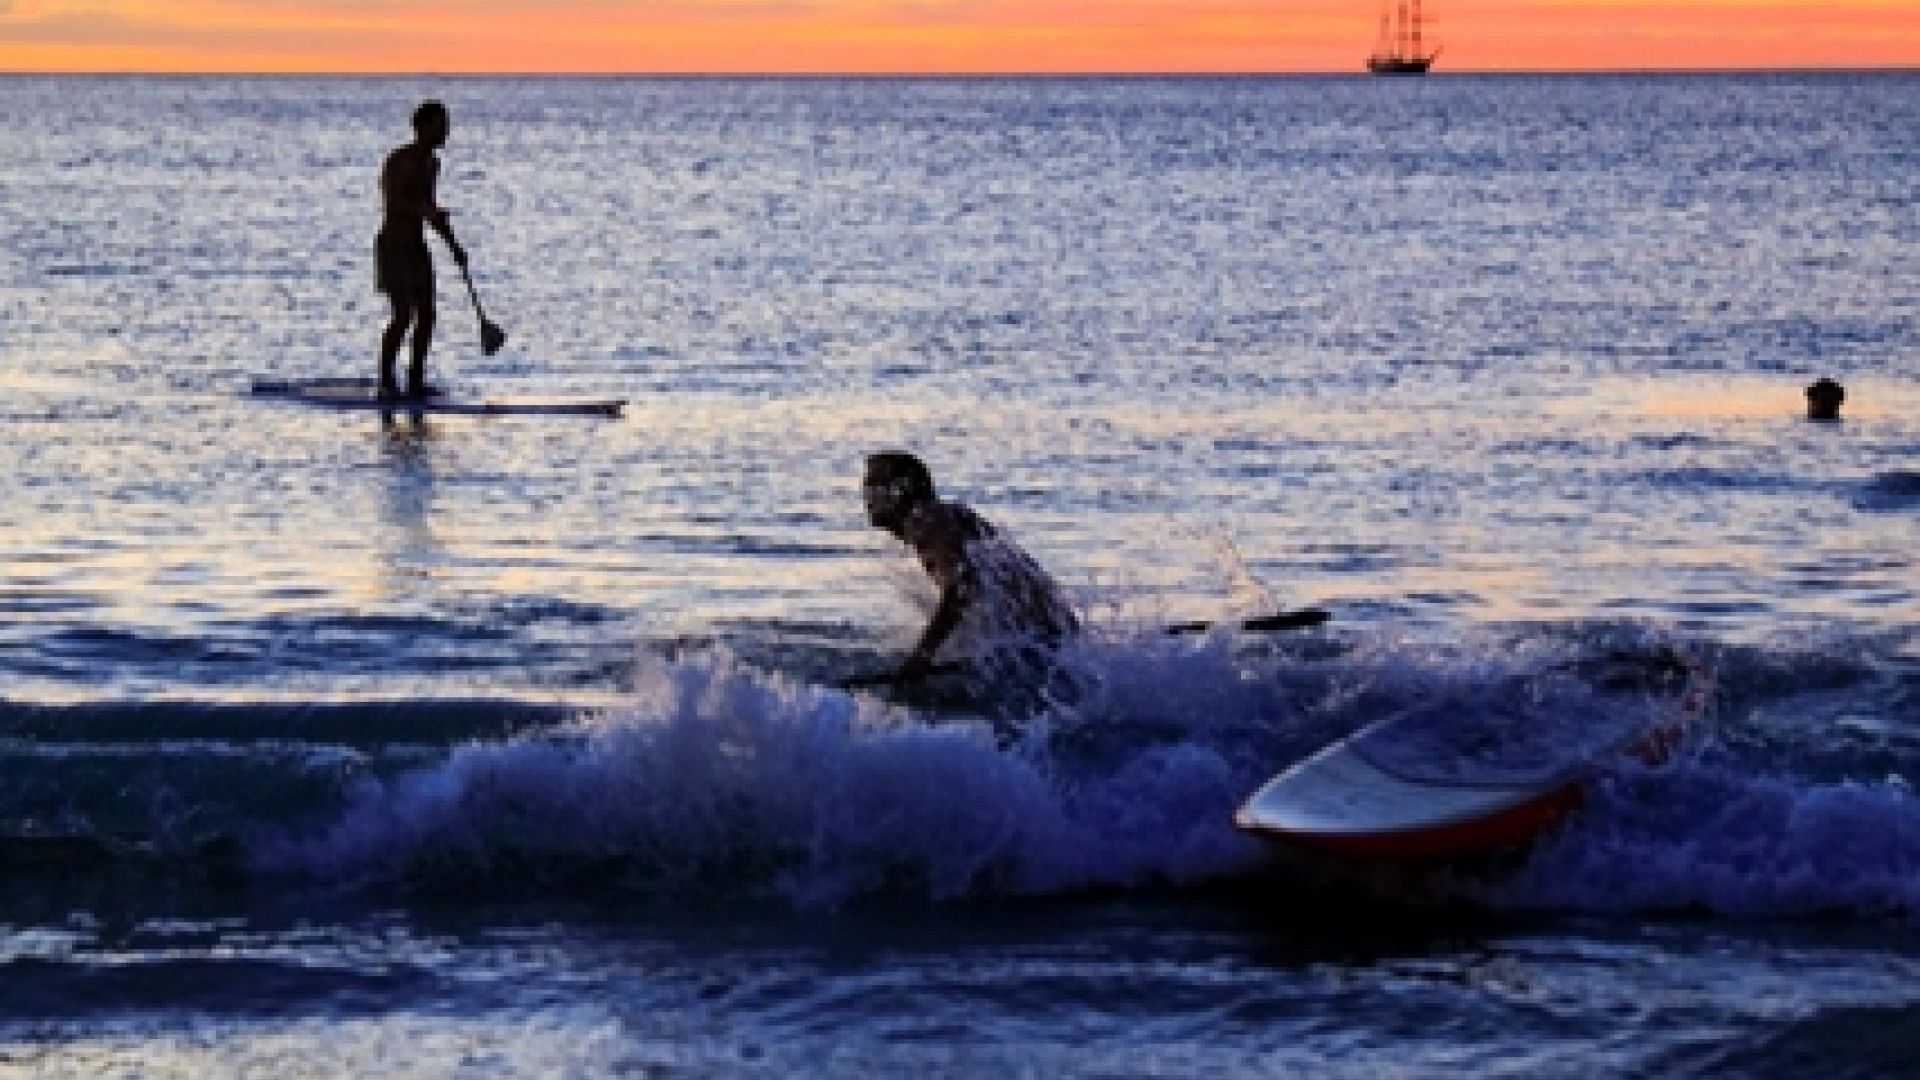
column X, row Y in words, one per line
column 491, row 336
column 1280, row 620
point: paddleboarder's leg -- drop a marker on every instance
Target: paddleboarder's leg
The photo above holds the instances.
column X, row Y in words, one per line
column 423, row 317
column 396, row 332
column 404, row 271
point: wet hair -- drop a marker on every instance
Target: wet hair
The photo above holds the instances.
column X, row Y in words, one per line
column 429, row 112
column 903, row 469
column 1823, row 400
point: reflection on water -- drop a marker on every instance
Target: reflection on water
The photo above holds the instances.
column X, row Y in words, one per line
column 1492, row 352
column 407, row 446
column 1132, row 321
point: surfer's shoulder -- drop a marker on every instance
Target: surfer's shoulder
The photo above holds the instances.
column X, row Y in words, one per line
column 939, row 532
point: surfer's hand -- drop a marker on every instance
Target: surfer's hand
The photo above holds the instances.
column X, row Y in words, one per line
column 917, row 667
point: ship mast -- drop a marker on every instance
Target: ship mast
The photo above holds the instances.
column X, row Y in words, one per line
column 1402, row 46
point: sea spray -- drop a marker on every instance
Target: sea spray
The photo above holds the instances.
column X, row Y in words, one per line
column 721, row 779
column 720, row 776
column 1701, row 835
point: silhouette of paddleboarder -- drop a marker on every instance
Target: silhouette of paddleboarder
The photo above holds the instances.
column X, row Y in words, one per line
column 403, row 266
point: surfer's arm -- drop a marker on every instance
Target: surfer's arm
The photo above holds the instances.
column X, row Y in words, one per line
column 946, row 616
column 943, row 553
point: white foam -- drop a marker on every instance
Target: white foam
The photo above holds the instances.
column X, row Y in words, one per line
column 718, row 777
column 1703, row 835
column 721, row 775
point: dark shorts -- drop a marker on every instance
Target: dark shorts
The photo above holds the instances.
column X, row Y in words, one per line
column 401, row 264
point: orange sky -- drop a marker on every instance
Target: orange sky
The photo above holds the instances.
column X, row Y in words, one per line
column 935, row 35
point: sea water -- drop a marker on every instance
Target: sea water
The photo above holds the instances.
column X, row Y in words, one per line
column 469, row 747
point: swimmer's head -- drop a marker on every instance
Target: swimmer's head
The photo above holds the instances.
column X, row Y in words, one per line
column 1823, row 400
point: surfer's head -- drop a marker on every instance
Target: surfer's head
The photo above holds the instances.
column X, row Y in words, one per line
column 895, row 483
column 430, row 123
column 1823, row 400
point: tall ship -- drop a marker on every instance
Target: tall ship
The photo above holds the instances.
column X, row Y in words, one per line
column 1400, row 50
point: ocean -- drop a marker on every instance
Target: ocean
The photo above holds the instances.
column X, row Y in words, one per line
column 477, row 747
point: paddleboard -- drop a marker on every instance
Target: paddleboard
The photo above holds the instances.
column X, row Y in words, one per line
column 361, row 395
column 1434, row 782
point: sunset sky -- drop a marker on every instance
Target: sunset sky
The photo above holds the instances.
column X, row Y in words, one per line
column 878, row 36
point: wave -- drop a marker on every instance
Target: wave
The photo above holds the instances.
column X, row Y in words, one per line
column 722, row 775
column 170, row 776
column 1702, row 836
column 1890, row 491
column 359, row 722
column 717, row 778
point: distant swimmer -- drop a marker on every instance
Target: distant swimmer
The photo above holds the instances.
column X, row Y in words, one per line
column 1824, row 398
column 403, row 266
column 984, row 578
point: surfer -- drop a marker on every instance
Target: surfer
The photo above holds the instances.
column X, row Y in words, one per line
column 981, row 574
column 403, row 266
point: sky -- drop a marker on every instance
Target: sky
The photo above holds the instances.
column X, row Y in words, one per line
column 937, row 36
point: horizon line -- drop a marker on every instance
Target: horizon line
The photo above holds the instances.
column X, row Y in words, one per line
column 1357, row 71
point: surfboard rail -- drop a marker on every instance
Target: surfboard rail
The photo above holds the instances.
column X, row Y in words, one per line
column 1342, row 801
column 1504, row 817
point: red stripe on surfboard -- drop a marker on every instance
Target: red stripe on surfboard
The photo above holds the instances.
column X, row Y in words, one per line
column 1511, row 827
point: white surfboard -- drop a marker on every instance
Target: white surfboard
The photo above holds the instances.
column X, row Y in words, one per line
column 361, row 395
column 1435, row 781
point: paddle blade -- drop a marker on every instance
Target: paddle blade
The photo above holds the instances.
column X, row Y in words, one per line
column 1284, row 620
column 492, row 338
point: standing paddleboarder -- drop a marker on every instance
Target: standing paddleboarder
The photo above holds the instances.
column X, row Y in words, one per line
column 403, row 266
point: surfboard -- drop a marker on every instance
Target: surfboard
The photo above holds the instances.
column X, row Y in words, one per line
column 1434, row 782
column 361, row 395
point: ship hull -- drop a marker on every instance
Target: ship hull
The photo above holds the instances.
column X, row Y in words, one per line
column 1395, row 65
